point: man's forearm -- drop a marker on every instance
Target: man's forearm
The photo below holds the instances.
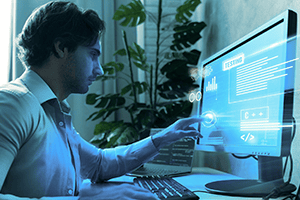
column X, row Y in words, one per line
column 158, row 140
column 12, row 197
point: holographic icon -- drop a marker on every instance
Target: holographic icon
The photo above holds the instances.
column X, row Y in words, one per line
column 195, row 73
column 194, row 95
column 246, row 115
column 247, row 137
column 212, row 86
column 212, row 119
column 206, row 71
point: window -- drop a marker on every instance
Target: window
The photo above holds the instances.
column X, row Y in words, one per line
column 5, row 39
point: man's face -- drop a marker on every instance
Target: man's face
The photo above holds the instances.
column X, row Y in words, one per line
column 82, row 68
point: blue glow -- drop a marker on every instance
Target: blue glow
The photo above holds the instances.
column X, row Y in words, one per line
column 245, row 88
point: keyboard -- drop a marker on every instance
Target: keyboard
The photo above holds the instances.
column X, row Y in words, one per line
column 165, row 188
column 156, row 171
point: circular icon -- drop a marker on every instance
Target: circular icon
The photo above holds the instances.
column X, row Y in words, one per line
column 195, row 96
column 192, row 97
column 198, row 96
column 210, row 119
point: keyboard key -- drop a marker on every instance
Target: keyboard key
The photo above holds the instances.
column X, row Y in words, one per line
column 165, row 188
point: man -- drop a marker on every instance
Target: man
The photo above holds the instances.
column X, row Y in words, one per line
column 41, row 155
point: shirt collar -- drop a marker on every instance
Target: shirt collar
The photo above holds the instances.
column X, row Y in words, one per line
column 39, row 88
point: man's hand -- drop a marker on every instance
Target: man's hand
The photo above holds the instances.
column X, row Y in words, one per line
column 181, row 128
column 114, row 190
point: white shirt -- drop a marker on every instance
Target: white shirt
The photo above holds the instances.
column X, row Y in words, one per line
column 50, row 157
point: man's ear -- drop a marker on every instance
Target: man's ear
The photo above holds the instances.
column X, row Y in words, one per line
column 59, row 50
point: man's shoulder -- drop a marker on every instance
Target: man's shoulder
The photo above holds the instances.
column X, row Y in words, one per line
column 18, row 104
column 15, row 93
column 15, row 88
column 19, row 115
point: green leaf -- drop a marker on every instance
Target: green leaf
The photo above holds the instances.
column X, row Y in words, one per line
column 141, row 87
column 133, row 53
column 138, row 54
column 192, row 57
column 91, row 99
column 184, row 12
column 175, row 89
column 111, row 111
column 171, row 112
column 106, row 127
column 102, row 103
column 114, row 134
column 179, row 109
column 179, row 69
column 115, row 66
column 126, row 89
column 92, row 115
column 98, row 135
column 110, row 69
column 100, row 113
column 107, row 104
column 174, row 55
column 120, row 101
column 136, row 106
column 132, row 14
column 129, row 135
column 171, row 67
column 104, row 78
column 172, row 90
column 121, row 52
column 145, row 116
column 99, row 139
column 186, row 35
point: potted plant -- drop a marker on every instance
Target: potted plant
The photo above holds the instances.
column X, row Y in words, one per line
column 171, row 80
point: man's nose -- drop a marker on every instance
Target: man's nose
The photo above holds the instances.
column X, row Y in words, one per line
column 98, row 70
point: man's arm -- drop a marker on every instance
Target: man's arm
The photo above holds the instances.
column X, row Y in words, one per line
column 180, row 129
column 6, row 159
column 99, row 165
column 12, row 197
column 14, row 112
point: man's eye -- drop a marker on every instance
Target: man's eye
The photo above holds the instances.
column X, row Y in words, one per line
column 94, row 55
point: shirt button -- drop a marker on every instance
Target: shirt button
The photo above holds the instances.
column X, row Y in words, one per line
column 61, row 124
column 70, row 191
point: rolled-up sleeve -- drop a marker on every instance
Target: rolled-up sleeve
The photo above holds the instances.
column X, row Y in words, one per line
column 99, row 165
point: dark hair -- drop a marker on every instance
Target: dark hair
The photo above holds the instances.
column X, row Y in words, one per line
column 57, row 21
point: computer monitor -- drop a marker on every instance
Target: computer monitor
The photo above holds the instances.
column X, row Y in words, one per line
column 248, row 88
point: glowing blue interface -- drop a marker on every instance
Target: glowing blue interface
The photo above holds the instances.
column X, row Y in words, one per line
column 244, row 87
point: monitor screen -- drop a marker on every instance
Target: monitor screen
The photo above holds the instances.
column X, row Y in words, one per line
column 247, row 94
column 249, row 87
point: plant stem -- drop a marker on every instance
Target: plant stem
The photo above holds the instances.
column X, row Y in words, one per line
column 157, row 51
column 130, row 65
column 131, row 73
column 151, row 86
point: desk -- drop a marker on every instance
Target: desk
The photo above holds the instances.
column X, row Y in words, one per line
column 206, row 175
column 196, row 182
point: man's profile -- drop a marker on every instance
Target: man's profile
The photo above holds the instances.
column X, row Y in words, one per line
column 41, row 154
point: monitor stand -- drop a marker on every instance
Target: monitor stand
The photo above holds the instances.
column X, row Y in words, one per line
column 270, row 177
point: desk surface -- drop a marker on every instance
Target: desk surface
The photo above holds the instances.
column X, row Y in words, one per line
column 196, row 182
